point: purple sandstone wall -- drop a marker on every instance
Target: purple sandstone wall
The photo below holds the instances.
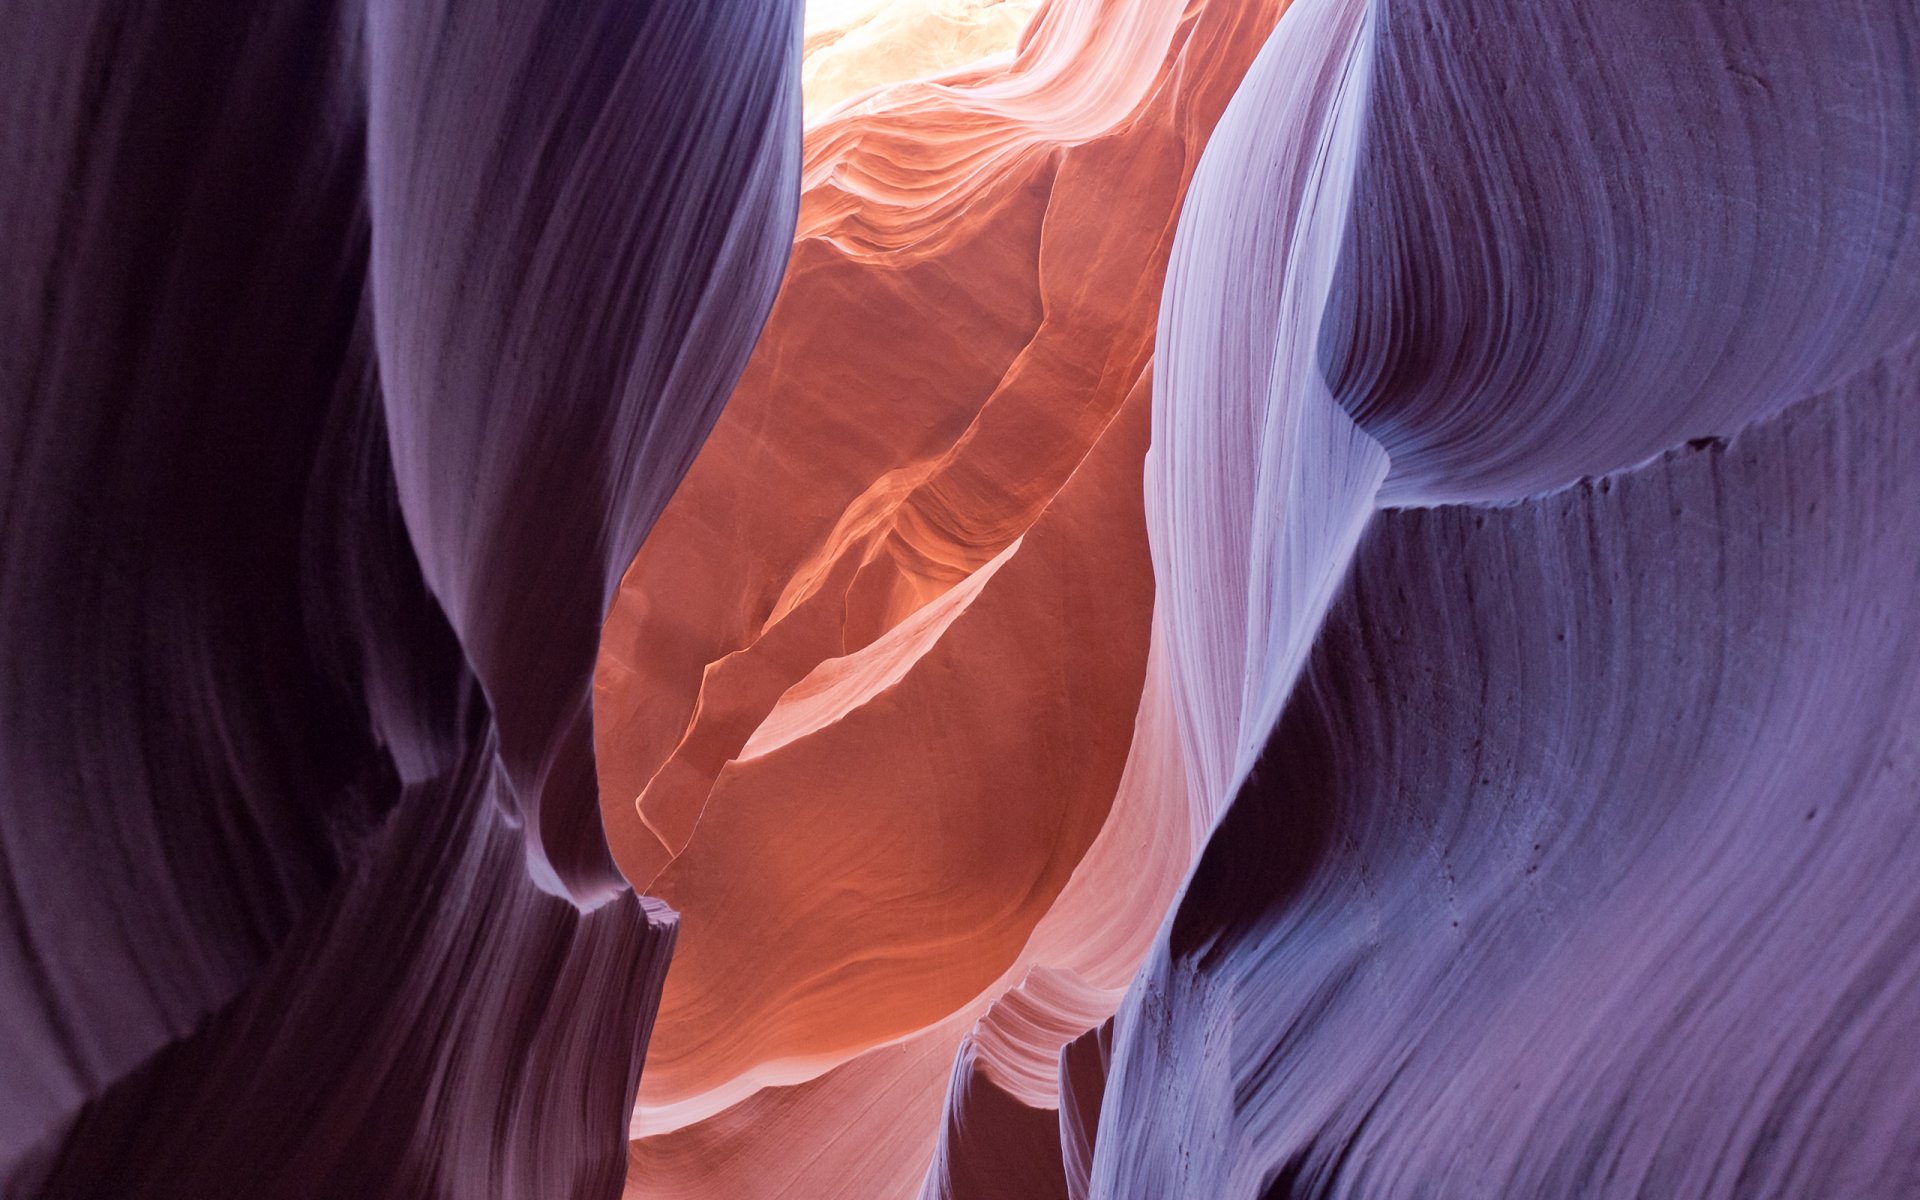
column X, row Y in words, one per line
column 350, row 350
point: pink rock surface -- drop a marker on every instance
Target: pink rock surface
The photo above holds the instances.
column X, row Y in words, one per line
column 1378, row 659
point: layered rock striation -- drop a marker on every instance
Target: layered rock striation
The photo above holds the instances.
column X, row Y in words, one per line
column 872, row 697
column 350, row 351
column 1288, row 601
column 1547, row 647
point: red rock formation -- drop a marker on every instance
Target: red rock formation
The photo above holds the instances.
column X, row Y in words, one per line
column 866, row 700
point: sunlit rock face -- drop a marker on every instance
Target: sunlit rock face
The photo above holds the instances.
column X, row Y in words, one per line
column 1162, row 599
column 349, row 352
column 867, row 700
column 855, row 47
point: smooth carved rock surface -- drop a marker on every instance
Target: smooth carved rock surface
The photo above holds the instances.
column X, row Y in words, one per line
column 1595, row 235
column 856, row 47
column 1567, row 842
column 1580, row 862
column 833, row 736
column 1289, row 600
column 349, row 352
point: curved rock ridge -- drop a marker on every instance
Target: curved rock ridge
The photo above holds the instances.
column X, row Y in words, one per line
column 1564, row 844
column 1257, row 483
column 942, row 878
column 854, row 47
column 490, row 1048
column 1379, row 659
column 1582, row 861
column 994, row 1143
column 1598, row 234
column 831, row 738
column 870, row 1124
column 349, row 351
column 1083, row 1088
column 913, row 168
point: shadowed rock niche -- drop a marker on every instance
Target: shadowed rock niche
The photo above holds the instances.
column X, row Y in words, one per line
column 350, row 351
column 920, row 708
column 1004, row 599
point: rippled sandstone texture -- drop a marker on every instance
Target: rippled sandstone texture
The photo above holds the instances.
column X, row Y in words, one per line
column 1534, row 515
column 349, row 352
column 855, row 47
column 869, row 695
column 1530, row 535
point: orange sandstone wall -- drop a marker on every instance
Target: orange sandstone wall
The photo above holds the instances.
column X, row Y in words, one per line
column 866, row 699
